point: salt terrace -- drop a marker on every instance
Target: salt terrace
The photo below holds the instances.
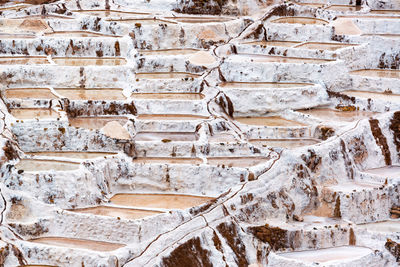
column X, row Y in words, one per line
column 200, row 133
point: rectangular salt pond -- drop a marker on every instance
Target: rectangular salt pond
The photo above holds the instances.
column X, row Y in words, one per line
column 373, row 95
column 278, row 59
column 392, row 226
column 378, row 73
column 166, row 75
column 165, row 136
column 35, row 165
column 272, row 121
column 160, row 201
column 284, row 143
column 71, row 154
column 300, row 20
column 200, row 19
column 34, row 113
column 168, row 52
column 27, row 60
column 328, row 254
column 173, row 117
column 123, row 213
column 174, row 96
column 142, row 22
column 91, row 93
column 273, row 43
column 68, row 34
column 387, row 171
column 30, row 93
column 88, row 61
column 155, row 160
column 95, row 123
column 324, row 46
column 344, row 8
column 260, row 85
column 77, row 243
column 110, row 13
column 240, row 162
column 328, row 114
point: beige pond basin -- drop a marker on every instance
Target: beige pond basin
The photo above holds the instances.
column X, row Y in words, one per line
column 168, row 52
column 384, row 35
column 16, row 36
column 142, row 22
column 260, row 85
column 77, row 243
column 95, row 123
column 301, row 20
column 110, row 13
column 279, row 59
column 221, row 138
column 240, row 162
column 71, row 154
column 315, row 5
column 327, row 114
column 28, row 60
column 274, row 43
column 68, row 34
column 167, row 117
column 91, row 93
column 160, row 160
column 88, row 61
column 34, row 113
column 373, row 95
column 328, row 254
column 166, row 137
column 369, row 17
column 344, row 8
column 387, row 11
column 387, row 171
column 160, row 201
column 324, row 46
column 346, row 26
column 284, row 143
column 378, row 73
column 36, row 165
column 199, row 19
column 28, row 25
column 167, row 75
column 349, row 187
column 384, row 227
column 272, row 121
column 123, row 213
column 171, row 96
column 30, row 93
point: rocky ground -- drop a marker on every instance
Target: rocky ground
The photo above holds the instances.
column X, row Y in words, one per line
column 200, row 133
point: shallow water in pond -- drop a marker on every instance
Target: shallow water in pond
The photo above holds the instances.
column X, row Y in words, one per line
column 384, row 35
column 110, row 13
column 69, row 34
column 162, row 201
column 81, row 61
column 23, row 61
column 324, row 46
column 373, row 95
column 165, row 136
column 268, row 121
column 71, row 154
column 337, row 115
column 77, row 243
column 166, row 75
column 168, row 52
column 33, row 165
column 387, row 171
column 251, row 85
column 328, row 254
column 278, row 59
column 379, row 73
column 395, row 12
column 32, row 113
column 274, row 43
column 123, row 213
column 91, row 94
column 30, row 93
column 349, row 187
column 240, row 162
column 141, row 22
column 386, row 226
column 175, row 117
column 16, row 36
column 285, row 143
column 300, row 20
column 310, row 4
column 95, row 123
column 344, row 8
column 174, row 96
column 200, row 19
column 147, row 160
column 395, row 16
